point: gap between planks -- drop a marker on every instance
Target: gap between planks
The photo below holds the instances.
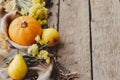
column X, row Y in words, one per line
column 90, row 31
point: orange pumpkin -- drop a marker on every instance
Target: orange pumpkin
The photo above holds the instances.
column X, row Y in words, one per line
column 23, row 30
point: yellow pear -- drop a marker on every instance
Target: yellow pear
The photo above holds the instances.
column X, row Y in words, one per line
column 17, row 69
column 50, row 35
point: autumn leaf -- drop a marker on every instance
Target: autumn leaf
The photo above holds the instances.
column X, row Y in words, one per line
column 10, row 5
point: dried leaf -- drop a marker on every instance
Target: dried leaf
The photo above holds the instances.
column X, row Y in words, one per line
column 10, row 6
column 3, row 42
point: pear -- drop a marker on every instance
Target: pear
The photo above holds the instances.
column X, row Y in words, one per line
column 50, row 35
column 17, row 69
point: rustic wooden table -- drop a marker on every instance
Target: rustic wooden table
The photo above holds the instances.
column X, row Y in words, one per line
column 90, row 37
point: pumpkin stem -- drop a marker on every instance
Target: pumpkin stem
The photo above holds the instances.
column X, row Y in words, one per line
column 24, row 24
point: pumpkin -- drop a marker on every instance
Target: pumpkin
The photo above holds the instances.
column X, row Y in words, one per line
column 23, row 30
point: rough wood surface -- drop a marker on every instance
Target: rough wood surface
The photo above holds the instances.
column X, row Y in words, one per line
column 53, row 12
column 106, row 39
column 74, row 29
column 72, row 18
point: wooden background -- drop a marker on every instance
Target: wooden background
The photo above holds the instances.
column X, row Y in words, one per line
column 90, row 37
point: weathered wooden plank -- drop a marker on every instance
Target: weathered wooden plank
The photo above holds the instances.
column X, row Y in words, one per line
column 106, row 39
column 74, row 29
column 53, row 13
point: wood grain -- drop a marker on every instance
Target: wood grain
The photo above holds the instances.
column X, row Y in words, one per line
column 74, row 29
column 53, row 11
column 106, row 39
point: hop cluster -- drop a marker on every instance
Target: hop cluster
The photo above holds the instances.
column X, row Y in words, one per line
column 35, row 50
column 42, row 2
column 43, row 54
column 38, row 11
column 38, row 40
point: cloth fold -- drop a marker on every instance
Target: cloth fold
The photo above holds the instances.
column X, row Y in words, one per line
column 4, row 75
